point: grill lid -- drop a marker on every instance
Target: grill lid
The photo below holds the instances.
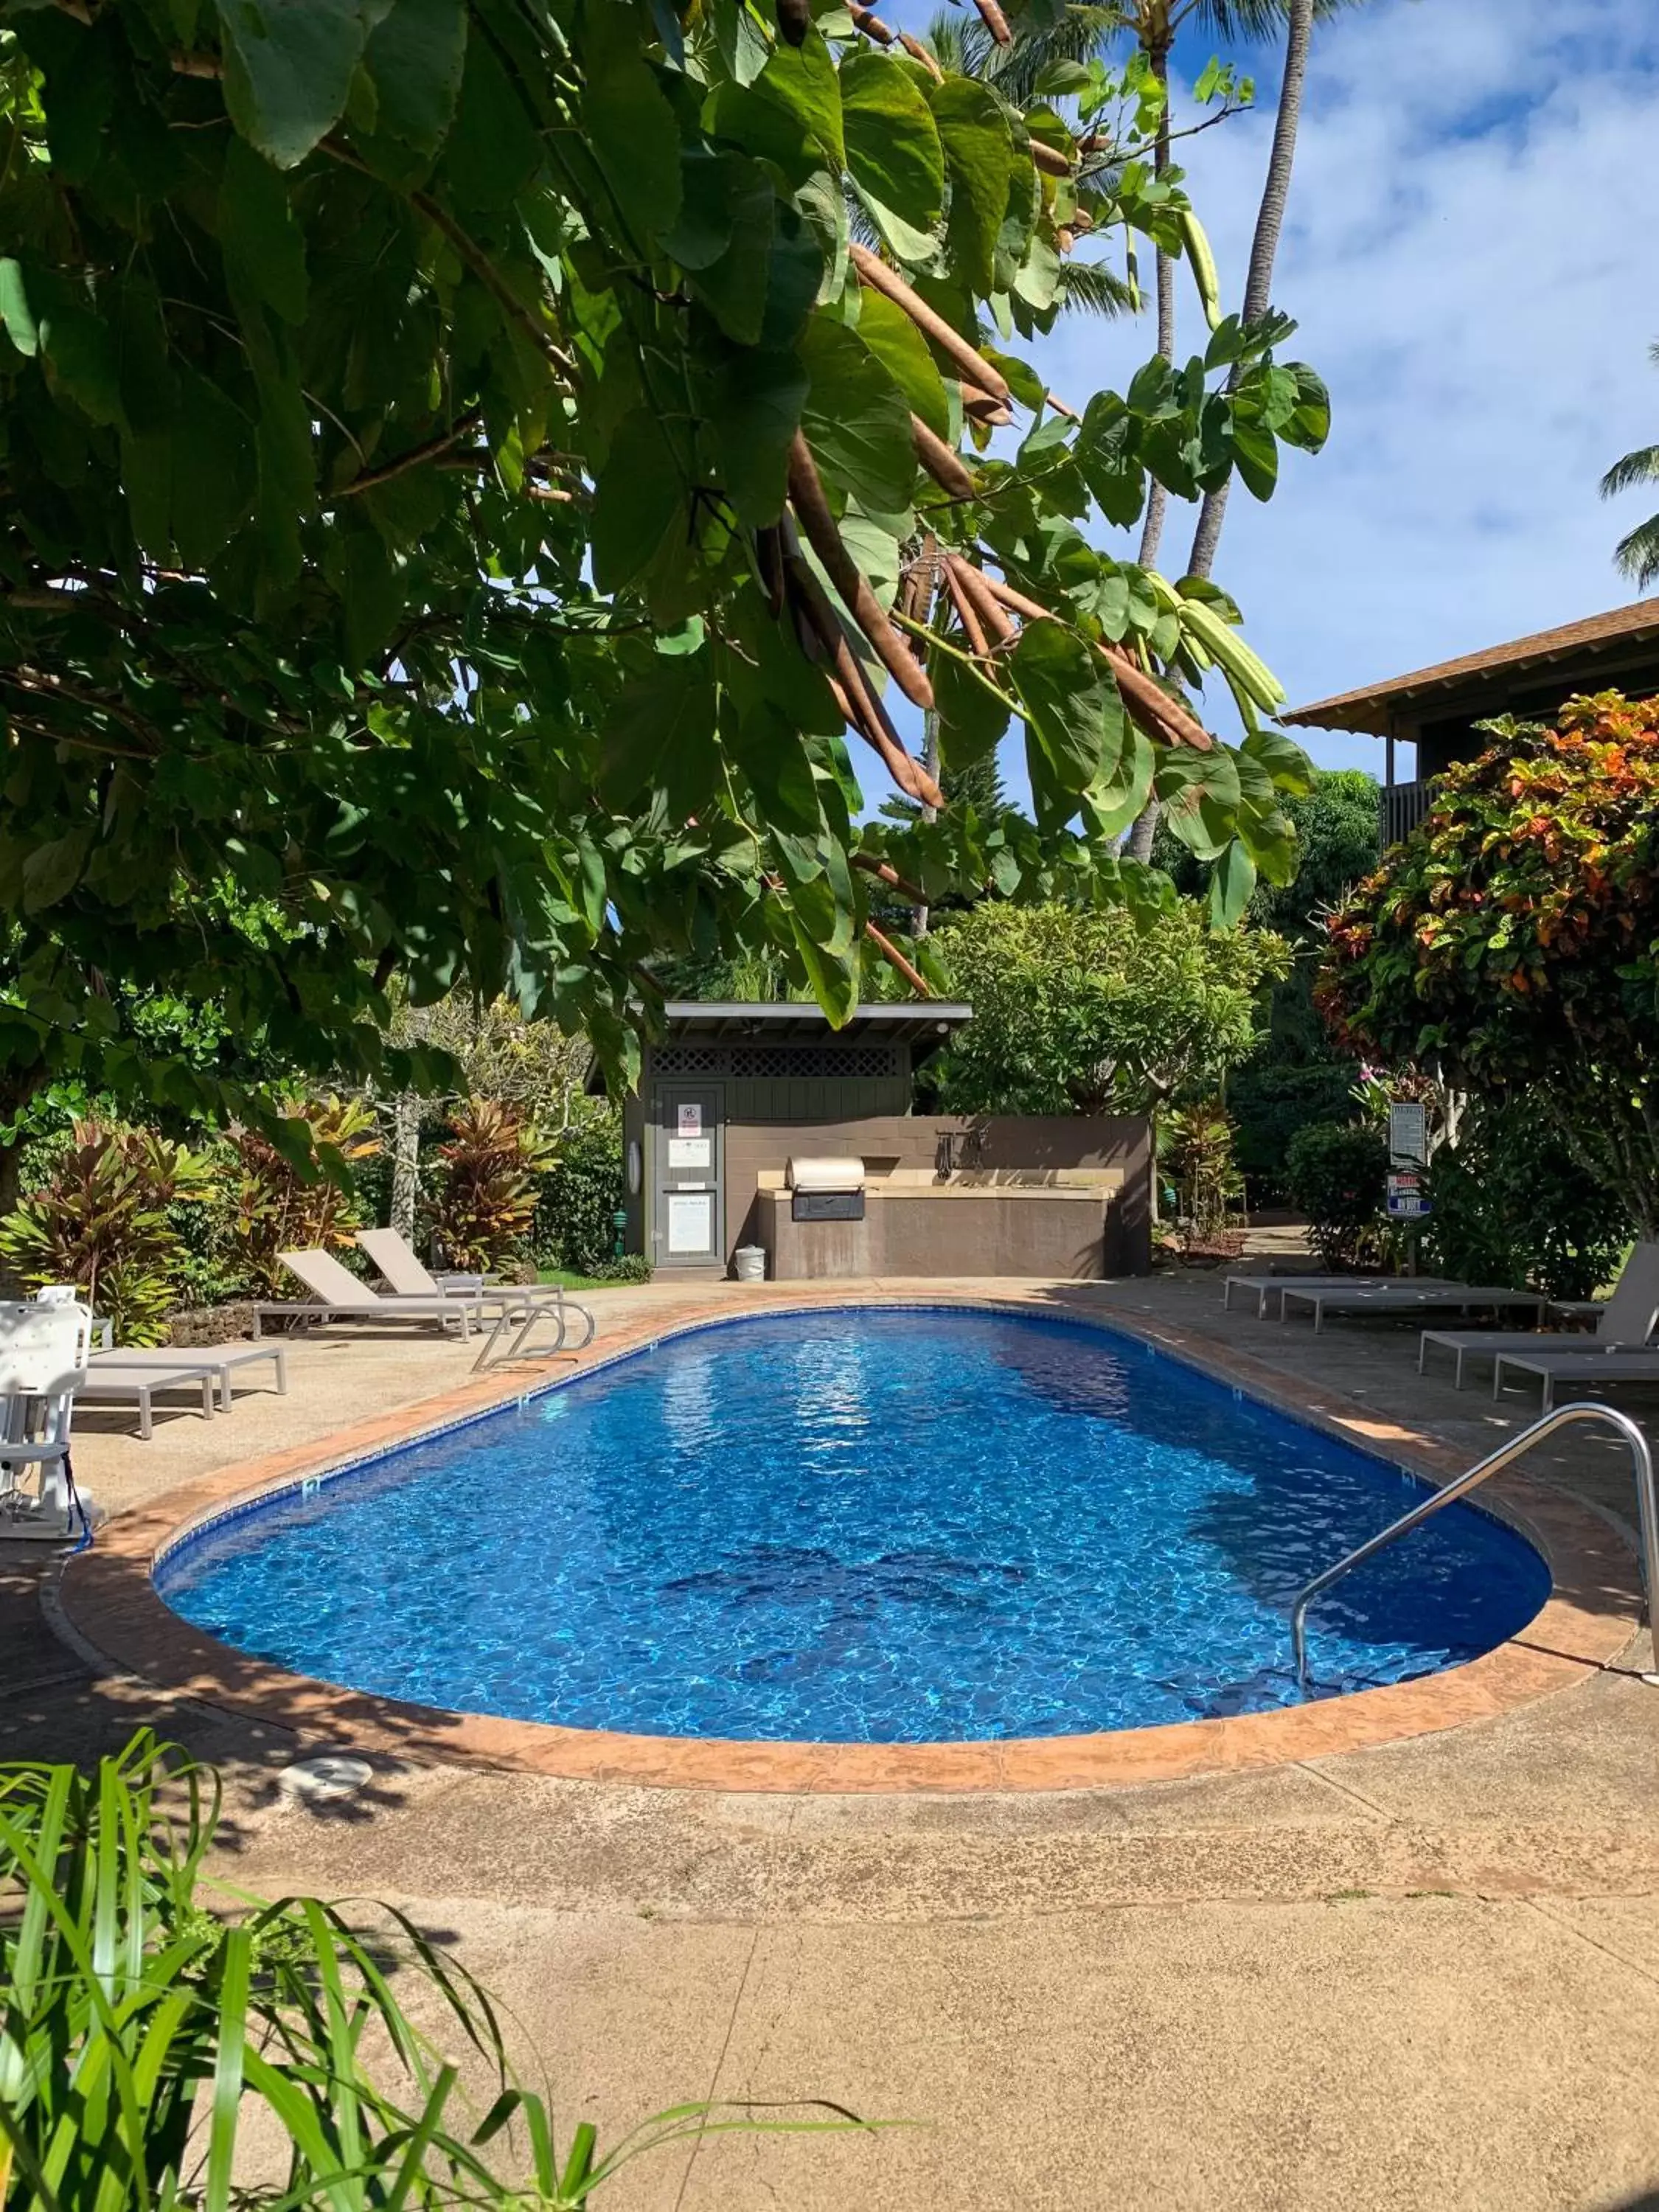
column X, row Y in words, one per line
column 826, row 1174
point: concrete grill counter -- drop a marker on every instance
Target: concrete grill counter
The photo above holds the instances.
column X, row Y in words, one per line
column 968, row 1226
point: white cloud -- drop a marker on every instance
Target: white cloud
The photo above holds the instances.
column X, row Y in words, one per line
column 1473, row 256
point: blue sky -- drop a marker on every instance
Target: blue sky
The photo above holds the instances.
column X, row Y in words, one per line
column 1473, row 255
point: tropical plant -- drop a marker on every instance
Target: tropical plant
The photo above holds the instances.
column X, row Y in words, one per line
column 1637, row 554
column 1078, row 1011
column 1511, row 1204
column 485, row 1202
column 1512, row 942
column 1198, row 1151
column 1338, row 1176
column 519, row 363
column 283, row 1207
column 152, row 2023
column 580, row 1196
column 103, row 1221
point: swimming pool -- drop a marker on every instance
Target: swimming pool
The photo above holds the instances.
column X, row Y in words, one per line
column 859, row 1525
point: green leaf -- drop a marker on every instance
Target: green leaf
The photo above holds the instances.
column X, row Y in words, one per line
column 971, row 718
column 1232, row 881
column 638, row 500
column 856, row 420
column 802, row 80
column 416, row 56
column 834, row 978
column 79, row 349
column 980, row 160
column 666, row 714
column 630, row 126
column 766, row 744
column 492, row 149
column 215, row 469
column 753, row 407
column 258, row 231
column 1059, row 684
column 1200, row 794
column 893, row 148
column 288, row 67
column 14, row 311
column 901, row 348
column 1283, row 758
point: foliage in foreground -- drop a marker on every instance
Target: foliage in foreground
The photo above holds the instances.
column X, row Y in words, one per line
column 1079, row 1011
column 1512, row 942
column 465, row 483
column 150, row 2024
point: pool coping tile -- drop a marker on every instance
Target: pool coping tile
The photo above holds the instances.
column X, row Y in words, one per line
column 109, row 1600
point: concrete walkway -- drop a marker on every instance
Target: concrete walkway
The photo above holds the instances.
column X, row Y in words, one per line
column 1422, row 1975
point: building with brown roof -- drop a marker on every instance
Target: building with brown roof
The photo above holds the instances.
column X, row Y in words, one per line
column 1436, row 709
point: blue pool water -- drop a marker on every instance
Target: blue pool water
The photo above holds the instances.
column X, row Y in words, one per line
column 875, row 1526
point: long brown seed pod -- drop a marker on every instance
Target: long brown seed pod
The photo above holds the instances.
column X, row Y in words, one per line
column 874, row 272
column 890, row 876
column 967, row 614
column 980, row 407
column 1048, row 159
column 806, row 496
column 895, row 959
column 918, row 52
column 941, row 462
column 872, row 26
column 1158, row 713
column 768, row 558
column 1150, row 704
column 992, row 620
column 994, row 21
column 861, row 707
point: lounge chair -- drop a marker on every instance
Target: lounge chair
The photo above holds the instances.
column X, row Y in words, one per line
column 115, row 1379
column 336, row 1295
column 1273, row 1286
column 1407, row 1297
column 409, row 1277
column 1624, row 1322
column 43, row 1361
column 1586, row 1370
column 217, row 1361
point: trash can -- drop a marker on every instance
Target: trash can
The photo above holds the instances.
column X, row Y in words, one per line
column 749, row 1260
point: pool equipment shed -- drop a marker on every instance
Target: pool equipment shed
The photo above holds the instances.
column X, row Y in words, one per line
column 759, row 1124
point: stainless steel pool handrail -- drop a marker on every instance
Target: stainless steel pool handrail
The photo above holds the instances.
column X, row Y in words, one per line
column 1505, row 1455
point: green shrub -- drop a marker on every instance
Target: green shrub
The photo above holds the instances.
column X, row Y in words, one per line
column 575, row 1214
column 280, row 1210
column 1268, row 1102
column 631, row 1267
column 1338, row 1176
column 1512, row 1204
column 1198, row 1149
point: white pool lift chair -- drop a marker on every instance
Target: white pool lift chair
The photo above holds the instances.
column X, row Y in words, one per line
column 44, row 1348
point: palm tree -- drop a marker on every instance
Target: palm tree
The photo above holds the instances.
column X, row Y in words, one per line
column 1248, row 18
column 1637, row 554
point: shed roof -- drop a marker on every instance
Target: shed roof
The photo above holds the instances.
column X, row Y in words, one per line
column 1595, row 650
column 928, row 1021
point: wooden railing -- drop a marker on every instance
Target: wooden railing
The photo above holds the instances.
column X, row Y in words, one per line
column 1401, row 807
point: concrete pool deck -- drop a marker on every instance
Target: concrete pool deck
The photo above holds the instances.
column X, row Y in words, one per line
column 1422, row 1973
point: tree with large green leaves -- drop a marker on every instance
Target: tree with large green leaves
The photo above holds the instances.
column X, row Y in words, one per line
column 464, row 486
column 1078, row 1012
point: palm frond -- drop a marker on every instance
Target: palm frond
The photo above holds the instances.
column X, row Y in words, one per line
column 1089, row 288
column 1258, row 19
column 1637, row 468
column 1638, row 555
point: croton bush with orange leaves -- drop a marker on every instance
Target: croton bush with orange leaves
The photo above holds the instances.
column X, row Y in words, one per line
column 1512, row 942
